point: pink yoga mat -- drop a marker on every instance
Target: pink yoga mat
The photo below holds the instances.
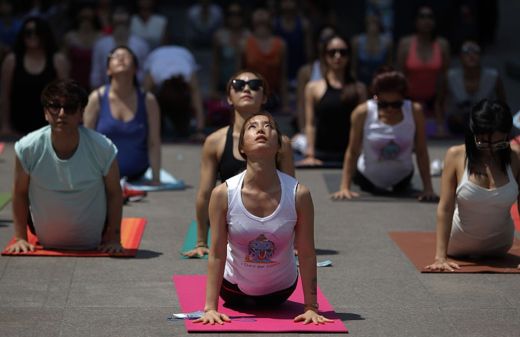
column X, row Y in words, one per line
column 191, row 293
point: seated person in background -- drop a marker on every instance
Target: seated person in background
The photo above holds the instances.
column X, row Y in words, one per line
column 256, row 219
column 329, row 103
column 247, row 92
column 384, row 132
column 128, row 116
column 67, row 179
column 479, row 185
column 171, row 72
column 469, row 84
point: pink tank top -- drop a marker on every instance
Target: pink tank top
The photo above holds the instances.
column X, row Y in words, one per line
column 422, row 75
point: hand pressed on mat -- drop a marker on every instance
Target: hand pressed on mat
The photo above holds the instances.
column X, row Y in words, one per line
column 20, row 246
column 311, row 316
column 198, row 251
column 212, row 316
column 442, row 264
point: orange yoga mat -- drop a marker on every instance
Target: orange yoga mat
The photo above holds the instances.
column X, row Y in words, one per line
column 516, row 217
column 131, row 233
column 419, row 247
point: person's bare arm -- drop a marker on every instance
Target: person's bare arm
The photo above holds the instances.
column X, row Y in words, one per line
column 441, row 88
column 310, row 127
column 62, row 66
column 446, row 208
column 421, row 154
column 148, row 82
column 111, row 241
column 6, row 79
column 154, row 137
column 352, row 153
column 304, row 237
column 285, row 158
column 20, row 204
column 304, row 75
column 217, row 257
column 208, row 177
column 91, row 113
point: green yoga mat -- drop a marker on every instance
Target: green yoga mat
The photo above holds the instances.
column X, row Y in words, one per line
column 190, row 240
column 4, row 199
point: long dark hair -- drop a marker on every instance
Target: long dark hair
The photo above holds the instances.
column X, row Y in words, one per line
column 486, row 117
column 349, row 88
column 44, row 32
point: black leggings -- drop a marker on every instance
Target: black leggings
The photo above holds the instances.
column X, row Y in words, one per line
column 366, row 185
column 233, row 296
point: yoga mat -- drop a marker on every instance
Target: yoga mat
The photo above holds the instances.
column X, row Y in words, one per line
column 191, row 294
column 2, row 147
column 516, row 217
column 168, row 182
column 190, row 240
column 5, row 197
column 333, row 180
column 131, row 233
column 419, row 247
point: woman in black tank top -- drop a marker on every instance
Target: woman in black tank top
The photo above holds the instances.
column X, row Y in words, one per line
column 247, row 92
column 25, row 72
column 328, row 105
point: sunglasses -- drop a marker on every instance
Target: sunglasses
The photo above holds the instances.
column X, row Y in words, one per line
column 393, row 105
column 29, row 32
column 470, row 49
column 495, row 146
column 254, row 85
column 341, row 51
column 54, row 108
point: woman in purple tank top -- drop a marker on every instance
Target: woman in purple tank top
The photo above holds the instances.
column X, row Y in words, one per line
column 128, row 116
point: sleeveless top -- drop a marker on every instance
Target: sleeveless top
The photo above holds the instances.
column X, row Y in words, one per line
column 294, row 40
column 229, row 165
column 386, row 158
column 26, row 110
column 260, row 257
column 461, row 100
column 484, row 214
column 422, row 75
column 269, row 63
column 81, row 61
column 368, row 63
column 130, row 138
column 333, row 120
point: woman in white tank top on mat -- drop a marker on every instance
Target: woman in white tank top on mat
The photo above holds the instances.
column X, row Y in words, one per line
column 256, row 219
column 479, row 185
column 385, row 131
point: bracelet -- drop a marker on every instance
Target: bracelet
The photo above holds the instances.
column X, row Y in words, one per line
column 201, row 245
column 314, row 307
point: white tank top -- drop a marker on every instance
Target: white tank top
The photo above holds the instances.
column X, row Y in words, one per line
column 483, row 213
column 386, row 157
column 260, row 251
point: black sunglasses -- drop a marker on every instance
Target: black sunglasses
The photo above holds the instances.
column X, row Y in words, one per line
column 393, row 105
column 54, row 108
column 341, row 51
column 495, row 146
column 254, row 85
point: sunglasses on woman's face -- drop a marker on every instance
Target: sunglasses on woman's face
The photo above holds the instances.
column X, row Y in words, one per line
column 239, row 85
column 54, row 108
column 333, row 51
column 495, row 146
column 393, row 105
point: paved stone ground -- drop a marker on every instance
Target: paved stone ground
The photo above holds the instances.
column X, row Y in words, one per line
column 373, row 287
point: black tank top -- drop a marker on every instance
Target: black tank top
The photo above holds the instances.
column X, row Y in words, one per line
column 229, row 166
column 333, row 120
column 26, row 110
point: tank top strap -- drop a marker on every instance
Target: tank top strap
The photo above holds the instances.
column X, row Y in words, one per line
column 234, row 185
column 141, row 104
column 465, row 176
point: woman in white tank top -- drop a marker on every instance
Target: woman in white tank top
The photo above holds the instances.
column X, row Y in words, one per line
column 257, row 217
column 479, row 185
column 384, row 132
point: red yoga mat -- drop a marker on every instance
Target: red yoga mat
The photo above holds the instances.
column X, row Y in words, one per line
column 191, row 293
column 419, row 247
column 516, row 217
column 131, row 233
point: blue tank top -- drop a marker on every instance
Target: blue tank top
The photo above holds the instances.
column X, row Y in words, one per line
column 368, row 64
column 130, row 138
